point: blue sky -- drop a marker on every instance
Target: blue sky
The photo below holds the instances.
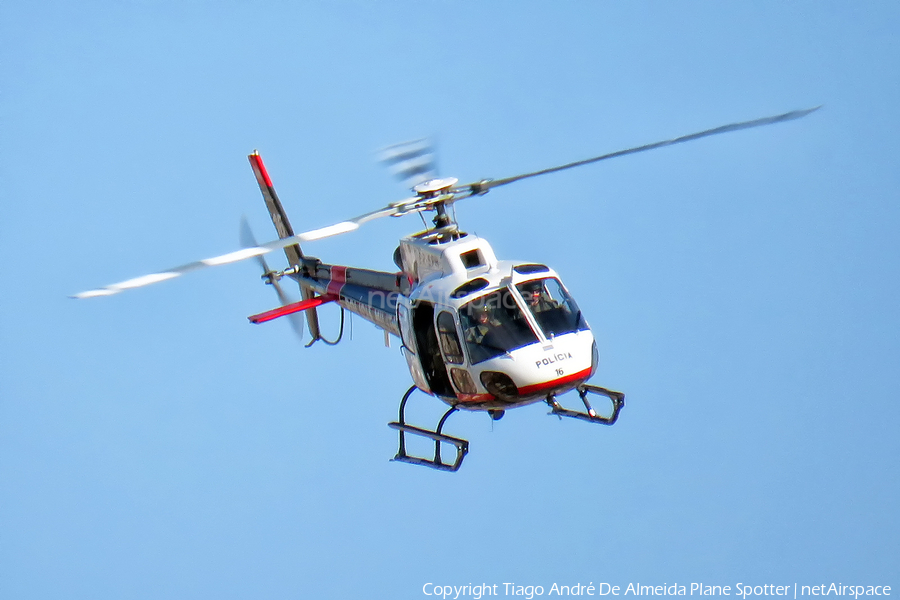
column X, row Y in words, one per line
column 743, row 289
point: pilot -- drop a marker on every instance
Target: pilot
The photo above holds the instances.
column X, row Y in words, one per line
column 537, row 300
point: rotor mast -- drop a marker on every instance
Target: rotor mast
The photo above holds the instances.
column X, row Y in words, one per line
column 437, row 194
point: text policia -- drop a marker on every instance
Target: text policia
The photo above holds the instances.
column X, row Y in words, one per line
column 744, row 591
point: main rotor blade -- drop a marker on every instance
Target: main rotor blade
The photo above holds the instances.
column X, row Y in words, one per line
column 484, row 186
column 248, row 240
column 245, row 253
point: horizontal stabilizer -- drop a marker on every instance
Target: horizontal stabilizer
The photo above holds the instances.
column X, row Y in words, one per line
column 292, row 308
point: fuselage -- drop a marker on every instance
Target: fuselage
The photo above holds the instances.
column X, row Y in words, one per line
column 478, row 333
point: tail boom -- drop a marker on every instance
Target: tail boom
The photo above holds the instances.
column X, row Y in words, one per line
column 370, row 294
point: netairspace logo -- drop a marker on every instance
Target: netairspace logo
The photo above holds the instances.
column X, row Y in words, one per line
column 742, row 590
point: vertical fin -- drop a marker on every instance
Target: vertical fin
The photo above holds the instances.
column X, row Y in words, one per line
column 276, row 210
column 283, row 227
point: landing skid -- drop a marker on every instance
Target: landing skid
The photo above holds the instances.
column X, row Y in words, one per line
column 590, row 415
column 462, row 446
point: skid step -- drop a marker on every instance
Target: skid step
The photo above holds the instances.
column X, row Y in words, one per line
column 589, row 414
column 461, row 445
column 462, row 448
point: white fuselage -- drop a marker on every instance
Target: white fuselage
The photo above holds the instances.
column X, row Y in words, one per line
column 445, row 351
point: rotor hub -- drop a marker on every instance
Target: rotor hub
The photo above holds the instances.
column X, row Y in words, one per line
column 434, row 187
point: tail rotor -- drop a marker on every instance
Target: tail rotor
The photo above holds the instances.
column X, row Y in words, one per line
column 271, row 277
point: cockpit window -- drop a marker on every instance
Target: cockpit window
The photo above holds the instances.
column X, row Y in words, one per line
column 552, row 307
column 494, row 325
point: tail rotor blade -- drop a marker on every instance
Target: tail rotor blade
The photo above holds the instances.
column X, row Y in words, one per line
column 296, row 319
column 248, row 240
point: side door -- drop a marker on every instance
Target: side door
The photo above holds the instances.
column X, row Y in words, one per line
column 429, row 350
column 408, row 347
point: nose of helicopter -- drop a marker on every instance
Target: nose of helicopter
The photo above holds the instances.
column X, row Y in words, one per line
column 531, row 373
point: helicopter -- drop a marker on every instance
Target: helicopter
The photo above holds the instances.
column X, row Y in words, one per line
column 478, row 333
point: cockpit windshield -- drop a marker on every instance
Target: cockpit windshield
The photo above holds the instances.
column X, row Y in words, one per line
column 494, row 325
column 552, row 307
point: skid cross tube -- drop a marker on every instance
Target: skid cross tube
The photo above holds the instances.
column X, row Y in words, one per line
column 462, row 446
column 590, row 415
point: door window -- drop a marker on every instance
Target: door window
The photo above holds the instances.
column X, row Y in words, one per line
column 449, row 339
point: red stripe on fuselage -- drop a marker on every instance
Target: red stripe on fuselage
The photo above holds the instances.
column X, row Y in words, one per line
column 338, row 279
column 474, row 398
column 540, row 387
column 531, row 390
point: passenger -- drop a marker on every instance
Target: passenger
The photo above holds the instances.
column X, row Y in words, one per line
column 484, row 324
